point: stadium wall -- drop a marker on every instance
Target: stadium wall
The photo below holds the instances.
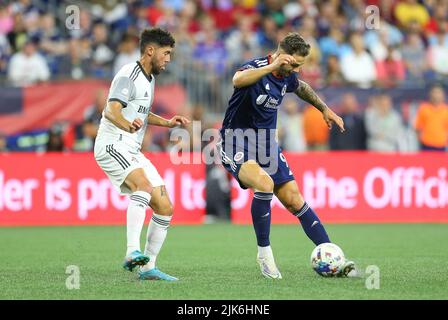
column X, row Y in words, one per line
column 344, row 187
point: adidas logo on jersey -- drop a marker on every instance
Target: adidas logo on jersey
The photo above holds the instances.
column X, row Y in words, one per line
column 146, row 94
column 267, row 86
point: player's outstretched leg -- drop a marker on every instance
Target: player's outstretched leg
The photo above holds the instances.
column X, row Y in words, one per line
column 257, row 179
column 289, row 195
column 135, row 218
column 157, row 231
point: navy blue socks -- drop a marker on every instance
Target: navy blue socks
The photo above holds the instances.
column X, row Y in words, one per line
column 312, row 225
column 261, row 217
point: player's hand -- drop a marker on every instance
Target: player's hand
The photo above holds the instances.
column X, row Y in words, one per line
column 330, row 117
column 178, row 120
column 136, row 125
column 282, row 60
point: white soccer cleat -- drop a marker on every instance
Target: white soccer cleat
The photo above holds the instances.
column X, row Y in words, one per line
column 349, row 270
column 268, row 267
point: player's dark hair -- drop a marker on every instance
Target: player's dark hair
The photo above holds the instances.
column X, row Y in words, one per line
column 293, row 43
column 156, row 36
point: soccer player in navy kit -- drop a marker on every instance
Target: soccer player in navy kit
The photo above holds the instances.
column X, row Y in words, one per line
column 249, row 148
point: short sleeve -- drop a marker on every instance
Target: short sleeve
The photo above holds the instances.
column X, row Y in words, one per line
column 247, row 65
column 293, row 82
column 122, row 90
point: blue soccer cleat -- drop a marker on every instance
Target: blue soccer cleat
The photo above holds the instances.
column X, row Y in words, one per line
column 155, row 274
column 135, row 258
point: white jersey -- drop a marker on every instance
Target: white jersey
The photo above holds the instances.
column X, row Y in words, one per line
column 134, row 89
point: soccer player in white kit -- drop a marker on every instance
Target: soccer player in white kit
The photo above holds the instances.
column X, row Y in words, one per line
column 117, row 151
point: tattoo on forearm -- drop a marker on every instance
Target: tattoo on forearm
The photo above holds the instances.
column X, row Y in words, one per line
column 306, row 93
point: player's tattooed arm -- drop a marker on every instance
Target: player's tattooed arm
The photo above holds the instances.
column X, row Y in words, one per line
column 306, row 93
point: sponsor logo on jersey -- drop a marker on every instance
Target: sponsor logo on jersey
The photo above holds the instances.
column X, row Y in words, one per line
column 261, row 98
column 284, row 90
column 146, row 94
column 143, row 109
column 267, row 86
column 272, row 103
column 125, row 91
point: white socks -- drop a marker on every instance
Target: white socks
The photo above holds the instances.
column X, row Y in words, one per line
column 135, row 219
column 157, row 230
column 265, row 252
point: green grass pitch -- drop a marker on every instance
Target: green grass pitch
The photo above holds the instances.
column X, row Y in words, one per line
column 218, row 262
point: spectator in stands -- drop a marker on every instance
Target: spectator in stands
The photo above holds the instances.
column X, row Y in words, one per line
column 354, row 137
column 333, row 74
column 437, row 19
column 267, row 34
column 18, row 35
column 6, row 19
column 3, row 142
column 383, row 124
column 128, row 52
column 315, row 129
column 210, row 57
column 77, row 63
column 388, row 34
column 333, row 44
column 290, row 126
column 410, row 10
column 85, row 25
column 414, row 58
column 438, row 56
column 51, row 43
column 358, row 66
column 55, row 140
column 102, row 54
column 432, row 121
column 94, row 112
column 311, row 71
column 25, row 61
column 390, row 70
column 242, row 43
column 5, row 52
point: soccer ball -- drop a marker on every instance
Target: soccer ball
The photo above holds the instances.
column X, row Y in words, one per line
column 327, row 259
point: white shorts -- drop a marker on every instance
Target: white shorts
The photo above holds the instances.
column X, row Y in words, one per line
column 117, row 160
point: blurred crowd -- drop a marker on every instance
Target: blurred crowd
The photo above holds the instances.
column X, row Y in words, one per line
column 406, row 46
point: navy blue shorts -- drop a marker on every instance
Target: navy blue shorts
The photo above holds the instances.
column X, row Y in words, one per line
column 236, row 148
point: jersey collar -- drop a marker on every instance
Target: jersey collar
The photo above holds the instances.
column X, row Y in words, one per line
column 149, row 77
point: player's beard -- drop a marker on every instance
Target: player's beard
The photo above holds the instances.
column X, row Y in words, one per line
column 283, row 72
column 155, row 68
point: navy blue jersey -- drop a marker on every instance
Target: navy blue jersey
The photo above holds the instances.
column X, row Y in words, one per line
column 256, row 106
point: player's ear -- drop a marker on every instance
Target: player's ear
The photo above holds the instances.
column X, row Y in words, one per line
column 150, row 50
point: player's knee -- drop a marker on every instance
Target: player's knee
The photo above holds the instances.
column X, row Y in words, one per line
column 144, row 185
column 264, row 184
column 166, row 210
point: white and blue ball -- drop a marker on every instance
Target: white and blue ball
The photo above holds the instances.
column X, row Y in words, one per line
column 327, row 259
